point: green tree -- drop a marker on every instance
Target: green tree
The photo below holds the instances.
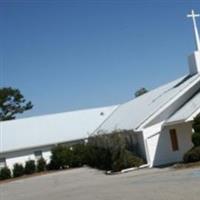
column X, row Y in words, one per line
column 12, row 102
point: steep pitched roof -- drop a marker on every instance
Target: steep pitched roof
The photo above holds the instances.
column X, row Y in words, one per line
column 134, row 113
column 51, row 129
column 187, row 110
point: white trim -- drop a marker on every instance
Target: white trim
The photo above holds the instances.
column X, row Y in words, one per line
column 193, row 115
column 174, row 122
column 166, row 105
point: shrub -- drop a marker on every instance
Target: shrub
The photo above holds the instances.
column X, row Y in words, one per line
column 65, row 157
column 52, row 165
column 196, row 134
column 58, row 158
column 192, row 155
column 126, row 159
column 114, row 151
column 30, row 167
column 78, row 154
column 98, row 157
column 5, row 173
column 196, row 124
column 196, row 139
column 41, row 165
column 18, row 170
column 68, row 157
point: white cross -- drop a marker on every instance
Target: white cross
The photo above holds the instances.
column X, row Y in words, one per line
column 193, row 16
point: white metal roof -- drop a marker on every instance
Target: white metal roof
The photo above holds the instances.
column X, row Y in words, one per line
column 186, row 110
column 132, row 114
column 69, row 126
column 51, row 129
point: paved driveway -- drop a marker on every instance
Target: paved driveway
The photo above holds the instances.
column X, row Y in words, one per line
column 89, row 184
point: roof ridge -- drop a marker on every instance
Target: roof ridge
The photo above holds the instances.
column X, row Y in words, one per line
column 170, row 101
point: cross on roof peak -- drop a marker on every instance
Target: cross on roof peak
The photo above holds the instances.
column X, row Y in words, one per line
column 193, row 16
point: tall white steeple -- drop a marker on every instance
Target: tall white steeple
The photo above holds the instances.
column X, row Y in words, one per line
column 194, row 59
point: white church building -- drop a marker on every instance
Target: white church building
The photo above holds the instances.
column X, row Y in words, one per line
column 161, row 120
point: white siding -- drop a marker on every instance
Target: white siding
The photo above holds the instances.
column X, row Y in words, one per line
column 24, row 156
column 159, row 146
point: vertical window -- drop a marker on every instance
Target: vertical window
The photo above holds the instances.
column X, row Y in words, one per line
column 174, row 139
column 38, row 155
column 2, row 162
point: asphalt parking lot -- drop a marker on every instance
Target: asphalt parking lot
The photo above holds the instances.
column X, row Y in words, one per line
column 89, row 184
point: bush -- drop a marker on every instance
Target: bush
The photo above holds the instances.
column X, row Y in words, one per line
column 41, row 165
column 30, row 167
column 78, row 154
column 98, row 157
column 18, row 170
column 196, row 124
column 113, row 151
column 196, row 134
column 196, row 139
column 126, row 159
column 192, row 155
column 58, row 157
column 65, row 157
column 52, row 165
column 5, row 173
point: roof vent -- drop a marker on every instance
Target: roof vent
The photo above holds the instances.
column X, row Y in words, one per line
column 101, row 113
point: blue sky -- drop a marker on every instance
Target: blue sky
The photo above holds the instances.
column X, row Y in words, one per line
column 68, row 55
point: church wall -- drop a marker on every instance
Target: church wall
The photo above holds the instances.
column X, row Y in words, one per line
column 23, row 155
column 159, row 147
column 150, row 136
column 23, row 158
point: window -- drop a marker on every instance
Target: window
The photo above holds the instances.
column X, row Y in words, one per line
column 38, row 154
column 174, row 139
column 2, row 162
